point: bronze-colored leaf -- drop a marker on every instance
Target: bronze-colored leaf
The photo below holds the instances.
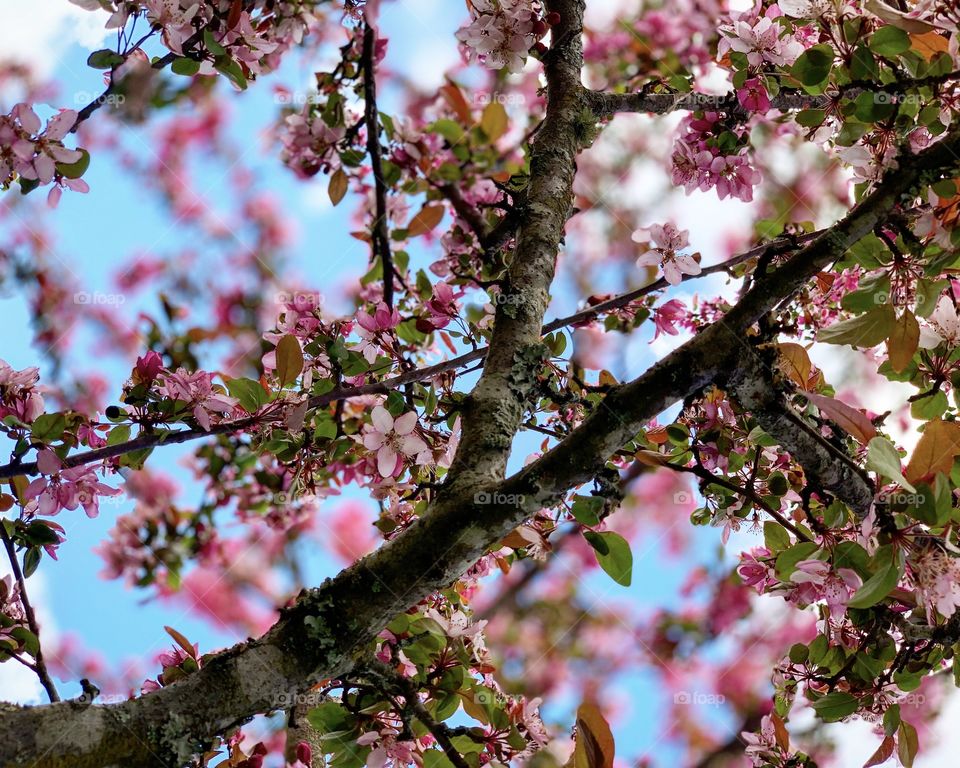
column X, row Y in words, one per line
column 849, row 419
column 289, row 359
column 426, row 220
column 903, row 341
column 338, row 186
column 939, row 445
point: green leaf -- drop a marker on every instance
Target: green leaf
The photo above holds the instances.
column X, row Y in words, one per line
column 104, row 59
column 48, row 427
column 907, row 744
column 883, row 458
column 227, row 66
column 787, row 560
column 775, row 536
column 867, row 331
column 889, row 41
column 211, row 43
column 613, row 554
column 185, row 66
column 329, row 717
column 434, row 758
column 249, row 393
column 814, row 64
column 835, row 706
column 31, row 559
column 878, row 586
column 586, row 509
column 119, row 434
column 77, row 169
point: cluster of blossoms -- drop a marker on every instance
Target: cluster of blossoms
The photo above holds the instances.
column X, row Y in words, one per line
column 61, row 489
column 177, row 663
column 12, row 617
column 935, row 574
column 707, row 155
column 762, row 40
column 667, row 242
column 309, row 144
column 36, row 154
column 205, row 399
column 18, row 395
column 502, row 33
column 254, row 38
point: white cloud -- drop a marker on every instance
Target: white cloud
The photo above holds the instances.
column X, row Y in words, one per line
column 40, row 32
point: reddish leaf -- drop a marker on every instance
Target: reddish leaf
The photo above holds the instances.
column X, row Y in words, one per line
column 454, row 97
column 795, row 363
column 595, row 746
column 849, row 419
column 884, row 752
column 426, row 220
column 936, row 450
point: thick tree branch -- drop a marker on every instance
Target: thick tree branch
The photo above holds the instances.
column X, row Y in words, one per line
column 753, row 384
column 607, row 104
column 494, row 409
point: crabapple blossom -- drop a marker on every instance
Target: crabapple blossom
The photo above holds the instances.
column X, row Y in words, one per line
column 502, row 33
column 936, row 576
column 667, row 241
column 394, row 441
column 68, row 489
column 197, row 390
column 762, row 40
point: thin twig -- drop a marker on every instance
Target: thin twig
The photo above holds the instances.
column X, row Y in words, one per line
column 380, row 237
column 40, row 667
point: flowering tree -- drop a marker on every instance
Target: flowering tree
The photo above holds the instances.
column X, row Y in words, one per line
column 476, row 203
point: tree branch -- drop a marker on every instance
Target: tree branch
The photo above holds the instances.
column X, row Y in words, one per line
column 754, row 385
column 380, row 237
column 40, row 667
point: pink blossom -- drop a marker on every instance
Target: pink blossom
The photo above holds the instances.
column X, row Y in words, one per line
column 394, row 440
column 666, row 316
column 501, row 33
column 754, row 572
column 17, row 394
column 668, row 241
column 935, row 575
column 69, row 489
column 753, row 96
column 200, row 394
column 816, row 580
column 762, row 42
